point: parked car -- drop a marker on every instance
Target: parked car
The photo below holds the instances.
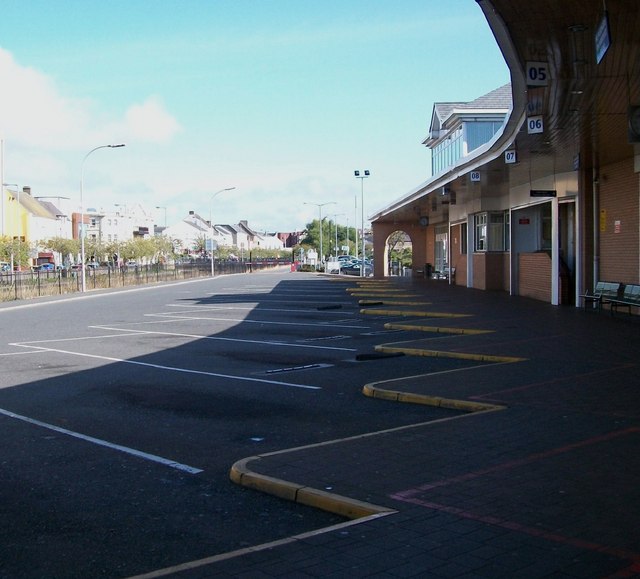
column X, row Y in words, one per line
column 354, row 269
column 47, row 267
column 5, row 266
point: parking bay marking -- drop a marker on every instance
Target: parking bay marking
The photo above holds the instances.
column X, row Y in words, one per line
column 187, row 316
column 169, row 368
column 215, row 338
column 100, row 442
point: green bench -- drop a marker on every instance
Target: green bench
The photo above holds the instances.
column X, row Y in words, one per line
column 602, row 293
column 630, row 298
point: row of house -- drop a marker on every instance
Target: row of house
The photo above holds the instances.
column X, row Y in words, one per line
column 193, row 228
column 536, row 185
column 33, row 219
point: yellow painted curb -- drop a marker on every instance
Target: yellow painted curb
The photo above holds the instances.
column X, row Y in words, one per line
column 445, row 354
column 409, row 313
column 330, row 502
column 383, row 295
column 395, row 302
column 435, row 329
column 396, row 396
column 383, row 290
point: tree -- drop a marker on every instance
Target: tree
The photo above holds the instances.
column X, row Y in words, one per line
column 200, row 244
column 18, row 250
column 312, row 237
column 399, row 248
column 63, row 246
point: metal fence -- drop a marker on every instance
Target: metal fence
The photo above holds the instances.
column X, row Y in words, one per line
column 23, row 285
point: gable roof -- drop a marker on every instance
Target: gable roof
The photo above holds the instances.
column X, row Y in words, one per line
column 497, row 101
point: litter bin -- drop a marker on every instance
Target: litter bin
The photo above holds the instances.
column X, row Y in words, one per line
column 428, row 270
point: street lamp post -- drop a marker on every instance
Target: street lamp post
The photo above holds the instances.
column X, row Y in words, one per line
column 81, row 230
column 320, row 206
column 211, row 223
column 18, row 225
column 335, row 220
column 362, row 178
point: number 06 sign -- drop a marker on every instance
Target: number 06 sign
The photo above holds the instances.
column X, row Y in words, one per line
column 535, row 125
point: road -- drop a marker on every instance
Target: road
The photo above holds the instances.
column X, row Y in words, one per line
column 121, row 413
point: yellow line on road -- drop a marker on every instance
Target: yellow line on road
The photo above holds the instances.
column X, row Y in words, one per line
column 409, row 313
column 436, row 329
column 444, row 354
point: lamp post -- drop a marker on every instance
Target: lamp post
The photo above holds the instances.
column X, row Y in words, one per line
column 81, row 230
column 211, row 223
column 320, row 206
column 362, row 178
column 19, row 229
column 355, row 223
column 335, row 222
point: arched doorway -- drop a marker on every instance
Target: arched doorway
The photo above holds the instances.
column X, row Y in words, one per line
column 398, row 253
column 382, row 232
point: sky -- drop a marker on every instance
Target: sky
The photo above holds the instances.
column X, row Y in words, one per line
column 281, row 99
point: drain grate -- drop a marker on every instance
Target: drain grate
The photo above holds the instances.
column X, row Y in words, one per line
column 325, row 338
column 297, row 368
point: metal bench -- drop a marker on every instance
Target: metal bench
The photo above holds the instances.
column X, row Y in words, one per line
column 602, row 293
column 630, row 298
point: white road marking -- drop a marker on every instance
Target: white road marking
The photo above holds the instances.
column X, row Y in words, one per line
column 169, row 368
column 101, row 442
column 256, row 309
column 201, row 337
column 124, row 331
column 188, row 316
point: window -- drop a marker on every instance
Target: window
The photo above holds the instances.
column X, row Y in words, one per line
column 447, row 152
column 496, row 232
column 463, row 238
column 481, row 132
column 480, row 225
column 491, row 231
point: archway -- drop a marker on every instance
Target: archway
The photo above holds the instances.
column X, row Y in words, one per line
column 382, row 232
column 398, row 253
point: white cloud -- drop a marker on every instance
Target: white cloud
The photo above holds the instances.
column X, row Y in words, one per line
column 33, row 112
column 150, row 122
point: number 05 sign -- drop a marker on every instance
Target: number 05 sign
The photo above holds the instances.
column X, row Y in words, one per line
column 537, row 73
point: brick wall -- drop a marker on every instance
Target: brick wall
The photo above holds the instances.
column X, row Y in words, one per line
column 535, row 276
column 619, row 223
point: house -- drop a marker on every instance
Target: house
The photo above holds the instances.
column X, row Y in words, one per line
column 194, row 230
column 31, row 219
